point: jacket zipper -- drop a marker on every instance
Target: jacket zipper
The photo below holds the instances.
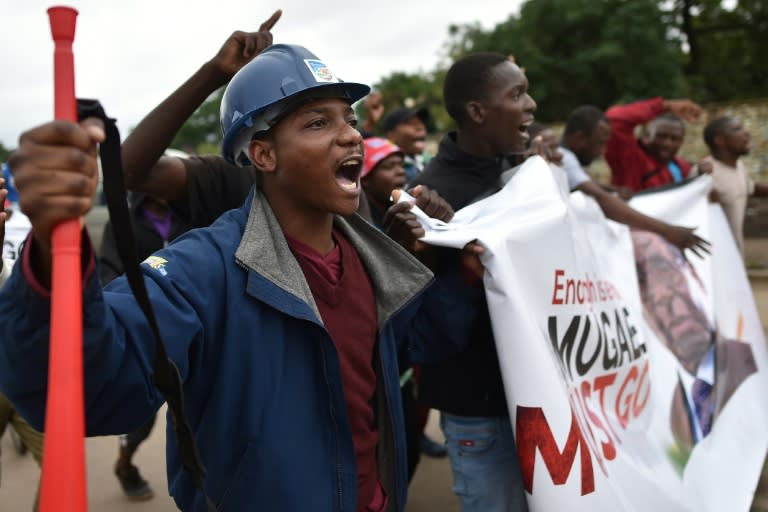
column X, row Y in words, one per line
column 388, row 403
column 339, row 489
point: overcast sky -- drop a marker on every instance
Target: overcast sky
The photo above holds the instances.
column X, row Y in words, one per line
column 131, row 54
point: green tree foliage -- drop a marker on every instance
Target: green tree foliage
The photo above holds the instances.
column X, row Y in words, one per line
column 573, row 51
column 600, row 52
column 415, row 90
column 202, row 131
column 4, row 153
column 584, row 51
column 725, row 44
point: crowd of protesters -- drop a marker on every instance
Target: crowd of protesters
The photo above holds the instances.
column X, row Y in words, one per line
column 312, row 331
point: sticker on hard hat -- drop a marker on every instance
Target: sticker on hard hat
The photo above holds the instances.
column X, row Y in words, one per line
column 320, row 71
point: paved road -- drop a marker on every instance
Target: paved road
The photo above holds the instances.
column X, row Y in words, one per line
column 430, row 491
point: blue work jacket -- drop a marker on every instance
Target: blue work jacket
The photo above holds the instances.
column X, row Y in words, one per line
column 262, row 382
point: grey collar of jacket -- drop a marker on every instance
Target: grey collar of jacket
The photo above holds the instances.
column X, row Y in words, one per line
column 397, row 276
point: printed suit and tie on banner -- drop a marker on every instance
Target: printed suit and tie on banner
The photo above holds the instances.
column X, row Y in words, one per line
column 634, row 377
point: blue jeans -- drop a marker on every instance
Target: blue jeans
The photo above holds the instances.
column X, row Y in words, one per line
column 486, row 471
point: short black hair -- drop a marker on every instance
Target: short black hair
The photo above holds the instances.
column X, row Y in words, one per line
column 584, row 119
column 401, row 115
column 714, row 128
column 467, row 80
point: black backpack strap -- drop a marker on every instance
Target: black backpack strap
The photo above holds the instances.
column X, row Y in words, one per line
column 166, row 375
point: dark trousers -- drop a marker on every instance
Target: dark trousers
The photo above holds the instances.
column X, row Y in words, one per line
column 132, row 440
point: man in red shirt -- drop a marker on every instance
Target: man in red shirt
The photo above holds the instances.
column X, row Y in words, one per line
column 640, row 164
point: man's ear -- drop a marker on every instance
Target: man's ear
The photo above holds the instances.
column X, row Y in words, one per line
column 475, row 112
column 262, row 155
column 719, row 140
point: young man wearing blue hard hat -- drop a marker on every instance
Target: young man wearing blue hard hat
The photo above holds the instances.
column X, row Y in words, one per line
column 282, row 317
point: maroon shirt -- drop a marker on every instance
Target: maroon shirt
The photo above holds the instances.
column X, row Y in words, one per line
column 344, row 295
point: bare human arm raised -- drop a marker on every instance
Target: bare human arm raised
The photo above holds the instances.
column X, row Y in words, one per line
column 684, row 108
column 146, row 169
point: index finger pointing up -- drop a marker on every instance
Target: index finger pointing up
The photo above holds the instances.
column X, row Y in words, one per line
column 267, row 25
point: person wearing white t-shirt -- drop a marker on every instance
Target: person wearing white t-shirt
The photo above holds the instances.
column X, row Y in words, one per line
column 584, row 138
column 732, row 184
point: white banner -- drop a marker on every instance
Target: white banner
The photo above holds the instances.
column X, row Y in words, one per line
column 596, row 384
column 16, row 230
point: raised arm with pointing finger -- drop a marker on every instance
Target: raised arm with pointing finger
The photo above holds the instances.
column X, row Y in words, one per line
column 146, row 169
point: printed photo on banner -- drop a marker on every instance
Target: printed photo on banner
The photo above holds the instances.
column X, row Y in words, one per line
column 711, row 366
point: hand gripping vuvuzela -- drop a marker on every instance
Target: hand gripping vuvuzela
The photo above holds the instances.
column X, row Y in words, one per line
column 63, row 487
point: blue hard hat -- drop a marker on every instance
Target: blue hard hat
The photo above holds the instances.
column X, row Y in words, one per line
column 269, row 87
